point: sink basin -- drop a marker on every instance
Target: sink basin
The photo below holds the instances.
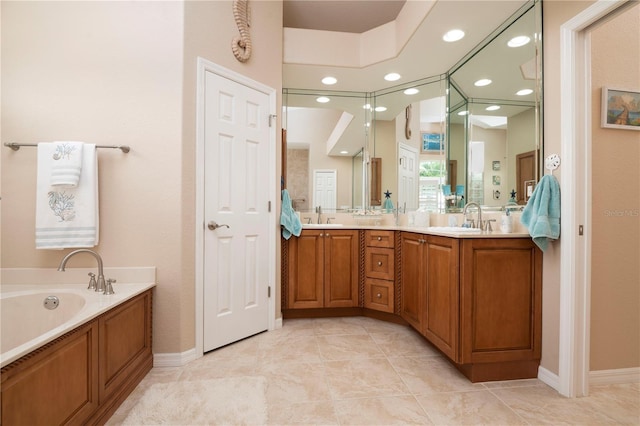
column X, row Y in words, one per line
column 452, row 229
column 322, row 225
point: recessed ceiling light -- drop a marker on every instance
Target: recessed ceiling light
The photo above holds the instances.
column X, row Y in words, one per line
column 482, row 82
column 392, row 76
column 411, row 91
column 453, row 35
column 344, row 152
column 329, row 81
column 463, row 113
column 524, row 92
column 381, row 108
column 323, row 99
column 493, row 108
column 518, row 41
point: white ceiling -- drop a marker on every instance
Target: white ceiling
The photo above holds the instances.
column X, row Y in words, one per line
column 425, row 55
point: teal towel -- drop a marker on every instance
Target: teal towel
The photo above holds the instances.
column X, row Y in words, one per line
column 288, row 218
column 541, row 215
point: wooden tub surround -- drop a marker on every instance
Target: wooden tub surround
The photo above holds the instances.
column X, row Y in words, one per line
column 477, row 298
column 83, row 376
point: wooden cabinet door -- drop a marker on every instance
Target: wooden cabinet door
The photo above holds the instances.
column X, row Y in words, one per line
column 500, row 300
column 341, row 268
column 411, row 279
column 306, row 270
column 442, row 289
column 57, row 384
column 125, row 343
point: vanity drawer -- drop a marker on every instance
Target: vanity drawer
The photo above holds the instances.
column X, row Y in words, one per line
column 379, row 263
column 375, row 238
column 378, row 295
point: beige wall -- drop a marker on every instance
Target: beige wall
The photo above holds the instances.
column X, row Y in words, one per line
column 615, row 274
column 555, row 13
column 122, row 73
column 615, row 270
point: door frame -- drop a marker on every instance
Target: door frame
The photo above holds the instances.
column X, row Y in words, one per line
column 575, row 250
column 203, row 67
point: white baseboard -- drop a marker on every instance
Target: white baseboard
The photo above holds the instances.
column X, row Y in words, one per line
column 174, row 359
column 549, row 378
column 182, row 359
column 598, row 377
column 614, row 377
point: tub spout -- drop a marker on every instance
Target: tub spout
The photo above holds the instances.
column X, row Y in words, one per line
column 100, row 284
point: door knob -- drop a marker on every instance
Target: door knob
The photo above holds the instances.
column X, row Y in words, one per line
column 213, row 225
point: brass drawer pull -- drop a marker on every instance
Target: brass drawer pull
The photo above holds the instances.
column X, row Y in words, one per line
column 379, row 295
column 379, row 238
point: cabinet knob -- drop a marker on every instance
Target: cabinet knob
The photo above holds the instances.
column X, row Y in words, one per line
column 327, row 234
column 379, row 238
column 321, row 234
column 379, row 295
column 379, row 263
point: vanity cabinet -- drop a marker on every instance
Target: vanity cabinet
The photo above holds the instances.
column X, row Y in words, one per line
column 478, row 300
column 430, row 288
column 323, row 269
column 501, row 308
column 379, row 270
column 83, row 376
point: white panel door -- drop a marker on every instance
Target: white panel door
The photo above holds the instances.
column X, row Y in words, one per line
column 236, row 252
column 325, row 188
column 408, row 177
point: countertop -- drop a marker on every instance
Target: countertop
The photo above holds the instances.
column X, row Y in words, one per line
column 443, row 231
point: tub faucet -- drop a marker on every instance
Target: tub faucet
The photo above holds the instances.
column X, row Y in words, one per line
column 478, row 223
column 100, row 286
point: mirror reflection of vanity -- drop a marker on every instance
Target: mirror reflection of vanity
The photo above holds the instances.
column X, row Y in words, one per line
column 445, row 142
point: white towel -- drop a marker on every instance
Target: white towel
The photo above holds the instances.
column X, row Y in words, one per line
column 67, row 163
column 67, row 216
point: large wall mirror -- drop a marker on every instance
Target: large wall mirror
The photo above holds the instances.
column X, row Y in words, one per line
column 436, row 142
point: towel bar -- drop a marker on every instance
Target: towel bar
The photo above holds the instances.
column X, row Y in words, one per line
column 16, row 146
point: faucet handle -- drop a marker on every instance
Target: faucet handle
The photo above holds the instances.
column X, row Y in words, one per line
column 471, row 223
column 329, row 219
column 109, row 286
column 488, row 227
column 92, row 281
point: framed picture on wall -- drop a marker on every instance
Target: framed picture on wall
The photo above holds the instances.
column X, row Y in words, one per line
column 620, row 109
column 432, row 143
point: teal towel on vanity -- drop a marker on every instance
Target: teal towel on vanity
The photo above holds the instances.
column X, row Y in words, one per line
column 541, row 215
column 288, row 218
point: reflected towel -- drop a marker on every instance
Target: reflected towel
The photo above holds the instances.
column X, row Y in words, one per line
column 289, row 220
column 541, row 215
column 66, row 216
column 66, row 164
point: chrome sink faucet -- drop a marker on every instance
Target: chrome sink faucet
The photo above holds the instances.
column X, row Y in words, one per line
column 477, row 224
column 100, row 286
column 319, row 210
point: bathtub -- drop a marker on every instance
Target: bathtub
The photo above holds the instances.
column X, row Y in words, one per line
column 26, row 324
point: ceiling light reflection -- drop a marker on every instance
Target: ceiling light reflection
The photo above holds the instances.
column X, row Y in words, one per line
column 453, row 35
column 329, row 81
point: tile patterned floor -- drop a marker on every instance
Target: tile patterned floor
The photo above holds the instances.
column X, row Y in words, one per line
column 361, row 371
